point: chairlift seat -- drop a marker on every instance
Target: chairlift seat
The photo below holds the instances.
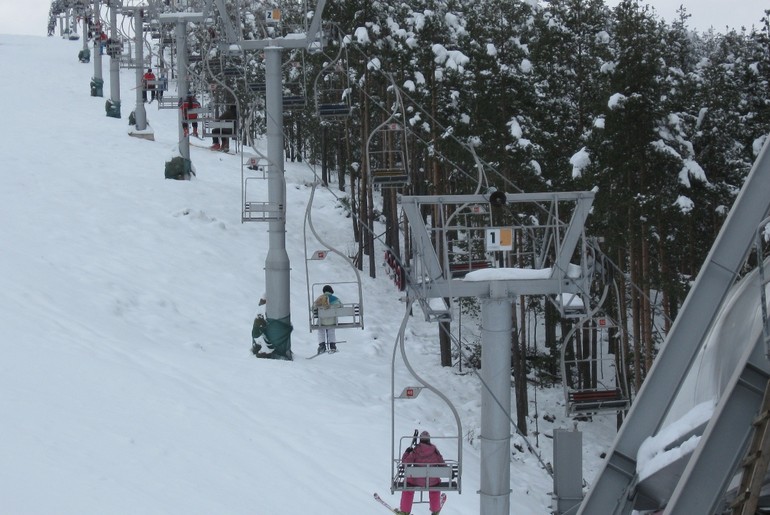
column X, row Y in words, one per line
column 390, row 176
column 348, row 316
column 597, row 400
column 448, row 475
column 461, row 268
column 218, row 128
column 168, row 102
column 202, row 112
column 294, row 102
column 254, row 211
column 333, row 110
column 157, row 84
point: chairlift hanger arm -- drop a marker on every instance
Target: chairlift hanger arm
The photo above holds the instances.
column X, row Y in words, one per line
column 230, row 34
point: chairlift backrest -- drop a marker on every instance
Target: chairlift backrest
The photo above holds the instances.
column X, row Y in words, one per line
column 345, row 315
column 427, row 476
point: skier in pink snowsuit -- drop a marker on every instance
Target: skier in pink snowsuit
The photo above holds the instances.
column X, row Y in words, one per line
column 423, row 452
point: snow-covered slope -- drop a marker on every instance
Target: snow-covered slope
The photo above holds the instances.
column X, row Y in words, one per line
column 128, row 385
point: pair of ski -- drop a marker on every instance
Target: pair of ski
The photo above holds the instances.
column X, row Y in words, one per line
column 330, row 351
column 320, row 353
column 394, row 510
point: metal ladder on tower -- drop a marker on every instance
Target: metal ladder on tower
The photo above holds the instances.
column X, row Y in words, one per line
column 755, row 463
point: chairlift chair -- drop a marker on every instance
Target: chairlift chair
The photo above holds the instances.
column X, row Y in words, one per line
column 592, row 376
column 333, row 93
column 294, row 90
column 386, row 149
column 255, row 201
column 387, row 156
column 449, row 474
column 168, row 102
column 350, row 315
column 347, row 316
column 332, row 84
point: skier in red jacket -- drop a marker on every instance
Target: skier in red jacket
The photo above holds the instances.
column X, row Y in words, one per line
column 190, row 102
column 423, row 452
column 148, row 86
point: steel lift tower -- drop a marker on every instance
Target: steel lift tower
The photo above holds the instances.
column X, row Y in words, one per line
column 180, row 21
column 97, row 82
column 113, row 104
column 699, row 486
column 277, row 268
column 431, row 280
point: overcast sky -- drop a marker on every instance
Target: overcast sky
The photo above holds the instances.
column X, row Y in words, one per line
column 31, row 16
column 710, row 13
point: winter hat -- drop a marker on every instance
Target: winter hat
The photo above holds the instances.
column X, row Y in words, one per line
column 425, row 436
column 328, row 289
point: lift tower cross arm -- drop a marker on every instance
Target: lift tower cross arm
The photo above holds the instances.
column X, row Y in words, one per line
column 298, row 40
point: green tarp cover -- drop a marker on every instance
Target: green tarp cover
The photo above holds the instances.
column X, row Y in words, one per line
column 276, row 332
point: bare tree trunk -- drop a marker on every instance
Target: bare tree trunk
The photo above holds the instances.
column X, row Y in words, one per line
column 445, row 343
column 324, row 154
column 635, row 315
column 343, row 158
column 646, row 319
column 369, row 195
column 522, row 397
column 298, row 139
column 518, row 373
column 364, row 193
